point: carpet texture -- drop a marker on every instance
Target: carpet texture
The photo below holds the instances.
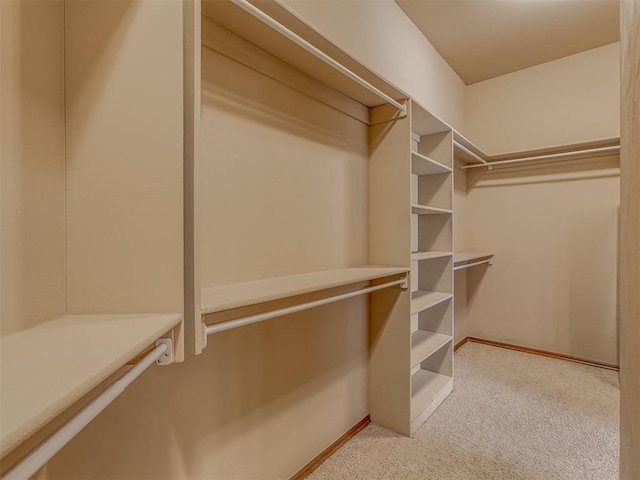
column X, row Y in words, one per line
column 511, row 416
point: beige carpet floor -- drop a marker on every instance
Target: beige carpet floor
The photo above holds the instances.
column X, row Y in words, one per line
column 511, row 416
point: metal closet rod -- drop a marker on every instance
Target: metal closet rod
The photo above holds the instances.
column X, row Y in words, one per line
column 261, row 317
column 28, row 466
column 467, row 265
column 263, row 17
column 550, row 156
column 469, row 152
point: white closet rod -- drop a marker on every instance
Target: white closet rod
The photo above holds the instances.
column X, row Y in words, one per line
column 260, row 317
column 614, row 148
column 467, row 265
column 260, row 15
column 46, row 450
column 469, row 152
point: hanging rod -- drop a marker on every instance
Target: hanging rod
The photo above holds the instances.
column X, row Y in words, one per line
column 263, row 17
column 550, row 156
column 469, row 152
column 467, row 265
column 28, row 466
column 260, row 317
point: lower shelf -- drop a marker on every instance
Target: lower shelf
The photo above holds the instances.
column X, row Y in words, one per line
column 423, row 299
column 428, row 390
column 226, row 297
column 47, row 368
column 428, row 255
column 424, row 343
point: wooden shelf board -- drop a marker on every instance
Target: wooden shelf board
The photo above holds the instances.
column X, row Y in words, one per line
column 425, row 343
column 425, row 387
column 429, row 255
column 424, row 210
column 462, row 258
column 425, row 123
column 464, row 156
column 421, row 165
column 226, row 297
column 47, row 368
column 235, row 19
column 422, row 299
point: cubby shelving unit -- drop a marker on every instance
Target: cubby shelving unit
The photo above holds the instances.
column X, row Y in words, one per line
column 411, row 188
column 92, row 250
column 432, row 268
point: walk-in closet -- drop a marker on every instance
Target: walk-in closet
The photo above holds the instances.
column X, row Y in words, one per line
column 287, row 239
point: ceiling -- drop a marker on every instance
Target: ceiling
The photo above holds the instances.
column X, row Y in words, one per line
column 482, row 39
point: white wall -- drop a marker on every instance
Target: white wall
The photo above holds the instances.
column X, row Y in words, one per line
column 569, row 100
column 553, row 229
column 554, row 234
column 33, row 284
column 381, row 36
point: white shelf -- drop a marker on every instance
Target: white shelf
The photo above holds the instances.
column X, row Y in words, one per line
column 237, row 20
column 421, row 300
column 425, row 123
column 429, row 255
column 217, row 299
column 467, row 259
column 466, row 143
column 424, row 210
column 425, row 389
column 421, row 165
column 425, row 343
column 47, row 368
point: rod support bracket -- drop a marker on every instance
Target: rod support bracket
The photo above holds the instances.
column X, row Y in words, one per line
column 167, row 357
column 405, row 283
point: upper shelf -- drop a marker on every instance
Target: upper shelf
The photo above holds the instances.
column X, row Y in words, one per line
column 226, row 297
column 47, row 368
column 236, row 19
column 425, row 123
column 469, row 259
column 467, row 151
column 470, row 154
column 421, row 165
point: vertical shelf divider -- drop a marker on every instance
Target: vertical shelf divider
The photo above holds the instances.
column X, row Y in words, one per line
column 389, row 244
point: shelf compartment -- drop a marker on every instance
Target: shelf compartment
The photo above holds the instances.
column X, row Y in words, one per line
column 428, row 389
column 423, row 165
column 424, row 210
column 415, row 256
column 421, row 300
column 469, row 259
column 226, row 297
column 47, row 368
column 425, row 343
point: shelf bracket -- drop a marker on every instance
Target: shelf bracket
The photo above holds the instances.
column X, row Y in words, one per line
column 167, row 357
